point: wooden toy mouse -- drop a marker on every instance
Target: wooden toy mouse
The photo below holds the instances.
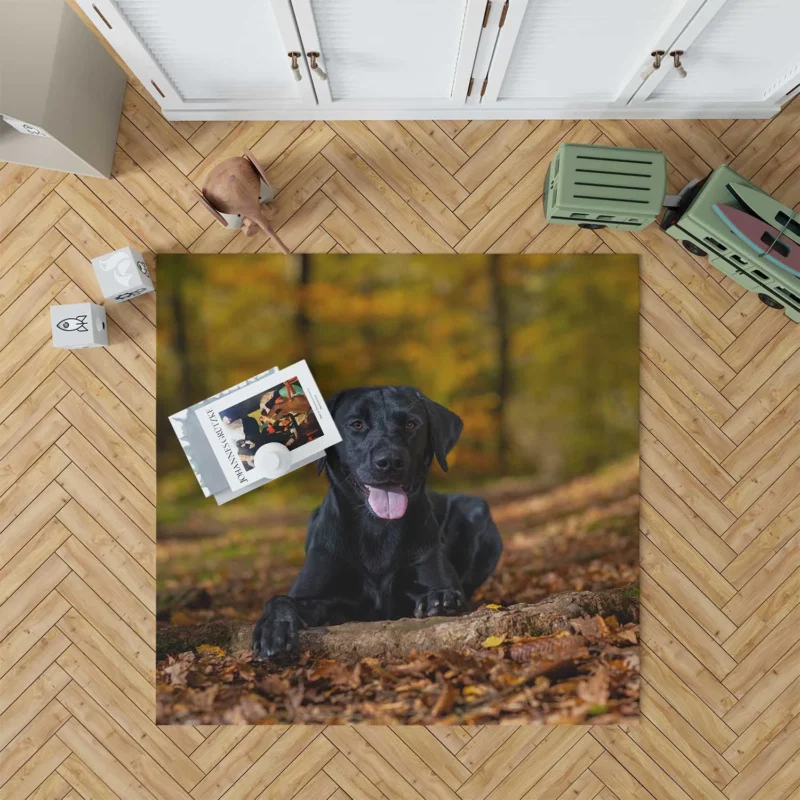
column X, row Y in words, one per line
column 233, row 189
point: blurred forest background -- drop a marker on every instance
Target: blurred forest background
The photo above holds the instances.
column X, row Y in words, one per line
column 538, row 355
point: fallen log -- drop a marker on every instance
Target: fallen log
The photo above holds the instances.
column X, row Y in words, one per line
column 355, row 640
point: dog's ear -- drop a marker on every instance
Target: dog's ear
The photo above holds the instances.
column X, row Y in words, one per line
column 333, row 402
column 444, row 428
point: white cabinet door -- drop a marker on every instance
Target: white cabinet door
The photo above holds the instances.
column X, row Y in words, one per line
column 387, row 54
column 745, row 51
column 578, row 54
column 207, row 54
column 463, row 59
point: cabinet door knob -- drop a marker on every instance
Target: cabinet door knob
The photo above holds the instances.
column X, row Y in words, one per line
column 296, row 74
column 676, row 59
column 316, row 68
column 657, row 56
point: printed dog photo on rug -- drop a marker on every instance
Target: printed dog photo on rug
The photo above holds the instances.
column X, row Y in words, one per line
column 467, row 554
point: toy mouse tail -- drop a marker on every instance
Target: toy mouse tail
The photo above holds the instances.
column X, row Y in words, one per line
column 267, row 228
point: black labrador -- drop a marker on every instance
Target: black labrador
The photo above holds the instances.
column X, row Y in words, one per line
column 381, row 546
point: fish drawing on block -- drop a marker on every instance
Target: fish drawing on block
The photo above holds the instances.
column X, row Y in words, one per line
column 77, row 324
column 763, row 238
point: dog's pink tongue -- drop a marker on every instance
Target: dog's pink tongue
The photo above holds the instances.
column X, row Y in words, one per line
column 388, row 502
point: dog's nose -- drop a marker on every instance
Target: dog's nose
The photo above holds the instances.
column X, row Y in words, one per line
column 388, row 460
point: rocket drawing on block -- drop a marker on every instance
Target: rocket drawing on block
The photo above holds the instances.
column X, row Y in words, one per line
column 78, row 325
column 74, row 324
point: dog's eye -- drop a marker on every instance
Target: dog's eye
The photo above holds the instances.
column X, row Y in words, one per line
column 412, row 424
column 357, row 424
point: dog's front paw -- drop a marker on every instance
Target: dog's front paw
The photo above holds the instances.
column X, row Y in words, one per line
column 276, row 634
column 440, row 602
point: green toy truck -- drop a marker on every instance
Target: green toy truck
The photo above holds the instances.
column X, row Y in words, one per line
column 702, row 232
column 598, row 187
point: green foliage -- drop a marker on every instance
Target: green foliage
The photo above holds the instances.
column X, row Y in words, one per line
column 538, row 354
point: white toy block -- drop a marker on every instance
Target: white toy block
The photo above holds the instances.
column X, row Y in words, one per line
column 122, row 274
column 78, row 325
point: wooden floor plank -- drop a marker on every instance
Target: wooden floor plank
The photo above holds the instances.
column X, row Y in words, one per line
column 36, row 296
column 475, row 134
column 756, row 621
column 681, row 553
column 777, row 425
column 30, row 557
column 103, row 473
column 155, row 164
column 524, row 780
column 494, row 152
column 371, row 226
column 31, row 484
column 690, row 597
column 506, row 202
column 237, row 759
column 684, row 448
column 437, row 143
column 31, row 629
column 128, row 570
column 350, row 780
column 685, row 737
column 418, row 220
column 109, row 587
column 29, row 523
column 293, row 158
column 26, row 198
column 683, row 411
column 136, row 468
column 112, row 714
column 277, row 142
column 693, row 635
column 131, row 683
column 110, row 625
column 691, row 707
column 419, row 161
column 12, row 176
column 498, row 182
column 209, row 135
column 772, row 613
column 83, row 780
column 30, row 267
column 136, row 108
column 102, row 402
column 90, row 750
column 684, row 375
column 30, row 230
column 152, row 197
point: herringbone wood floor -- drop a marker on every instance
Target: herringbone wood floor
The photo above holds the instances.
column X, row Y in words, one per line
column 720, row 476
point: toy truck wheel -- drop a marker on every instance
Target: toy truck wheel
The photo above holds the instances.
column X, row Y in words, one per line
column 592, row 226
column 693, row 248
column 770, row 301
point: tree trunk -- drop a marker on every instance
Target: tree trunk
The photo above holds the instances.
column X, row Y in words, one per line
column 503, row 366
column 355, row 640
column 187, row 373
column 302, row 321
